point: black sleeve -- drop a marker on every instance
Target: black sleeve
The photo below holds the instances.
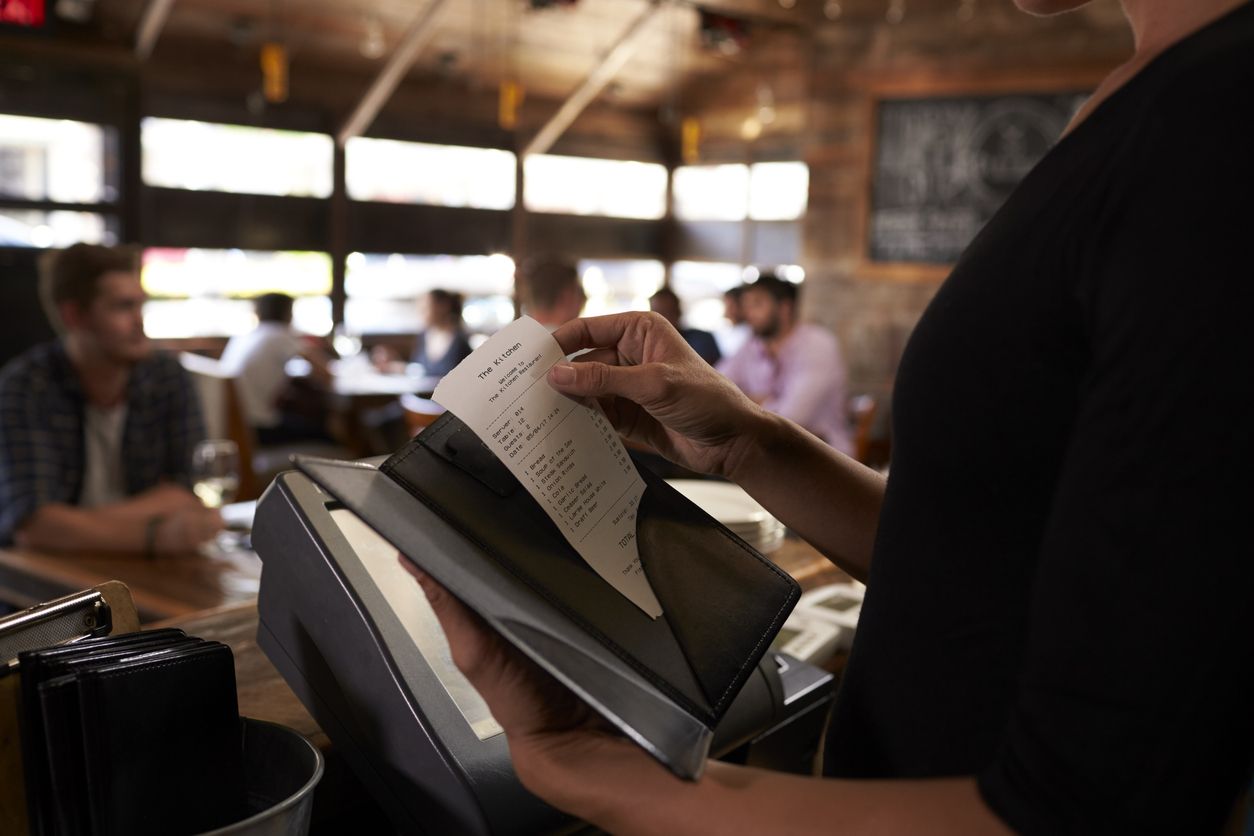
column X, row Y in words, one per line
column 1135, row 711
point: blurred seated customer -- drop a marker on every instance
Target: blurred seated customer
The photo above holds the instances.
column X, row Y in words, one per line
column 96, row 428
column 792, row 368
column 440, row 346
column 733, row 337
column 552, row 291
column 666, row 303
column 443, row 341
column 280, row 409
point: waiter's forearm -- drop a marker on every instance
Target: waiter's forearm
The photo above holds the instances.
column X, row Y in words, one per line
column 826, row 497
column 621, row 790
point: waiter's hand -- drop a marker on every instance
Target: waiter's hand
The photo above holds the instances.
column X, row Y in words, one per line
column 657, row 391
column 556, row 743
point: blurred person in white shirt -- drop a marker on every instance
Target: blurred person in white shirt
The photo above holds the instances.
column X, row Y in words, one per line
column 279, row 409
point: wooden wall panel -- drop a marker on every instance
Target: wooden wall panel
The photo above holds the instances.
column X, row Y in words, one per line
column 177, row 218
column 436, row 230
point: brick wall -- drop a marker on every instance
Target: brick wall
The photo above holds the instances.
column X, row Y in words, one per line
column 826, row 82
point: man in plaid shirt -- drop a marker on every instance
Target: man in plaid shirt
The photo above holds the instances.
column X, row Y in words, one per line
column 97, row 429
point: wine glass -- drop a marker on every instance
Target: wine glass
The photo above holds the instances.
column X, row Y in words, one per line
column 215, row 471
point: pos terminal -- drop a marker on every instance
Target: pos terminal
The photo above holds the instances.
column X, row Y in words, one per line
column 354, row 637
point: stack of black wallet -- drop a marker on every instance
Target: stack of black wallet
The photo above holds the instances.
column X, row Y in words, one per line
column 133, row 734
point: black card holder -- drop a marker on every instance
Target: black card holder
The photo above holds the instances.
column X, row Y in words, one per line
column 61, row 709
column 722, row 601
column 449, row 505
column 37, row 667
column 161, row 743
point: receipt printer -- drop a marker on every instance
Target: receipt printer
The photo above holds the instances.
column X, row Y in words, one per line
column 354, row 637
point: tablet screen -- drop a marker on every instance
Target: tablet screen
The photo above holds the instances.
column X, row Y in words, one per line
column 406, row 599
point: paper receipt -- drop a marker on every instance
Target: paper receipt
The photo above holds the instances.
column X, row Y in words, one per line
column 566, row 455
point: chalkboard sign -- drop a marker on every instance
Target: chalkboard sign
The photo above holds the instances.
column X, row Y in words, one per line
column 943, row 167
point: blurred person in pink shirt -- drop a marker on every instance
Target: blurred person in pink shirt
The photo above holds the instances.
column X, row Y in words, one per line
column 794, row 369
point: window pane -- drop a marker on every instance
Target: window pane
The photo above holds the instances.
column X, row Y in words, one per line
column 30, row 228
column 180, row 154
column 778, row 191
column 586, row 186
column 383, row 290
column 438, row 175
column 206, row 292
column 711, row 192
column 620, row 285
column 52, row 159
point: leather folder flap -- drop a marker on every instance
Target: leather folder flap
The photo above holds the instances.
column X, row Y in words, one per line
column 724, row 601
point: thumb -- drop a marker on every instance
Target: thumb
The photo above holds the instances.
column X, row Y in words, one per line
column 591, row 379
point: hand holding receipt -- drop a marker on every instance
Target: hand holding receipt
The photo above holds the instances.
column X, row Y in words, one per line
column 565, row 454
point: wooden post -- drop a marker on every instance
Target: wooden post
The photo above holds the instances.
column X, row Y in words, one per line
column 601, row 75
column 338, row 236
column 150, row 25
column 420, row 32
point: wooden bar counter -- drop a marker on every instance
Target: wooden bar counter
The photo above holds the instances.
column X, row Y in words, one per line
column 165, row 587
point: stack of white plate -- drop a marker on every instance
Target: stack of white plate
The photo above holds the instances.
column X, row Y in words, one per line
column 730, row 505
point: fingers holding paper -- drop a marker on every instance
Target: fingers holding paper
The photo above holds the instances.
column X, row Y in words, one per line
column 656, row 390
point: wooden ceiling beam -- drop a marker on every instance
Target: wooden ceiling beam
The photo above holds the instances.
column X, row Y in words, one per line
column 602, row 74
column 402, row 58
column 150, row 25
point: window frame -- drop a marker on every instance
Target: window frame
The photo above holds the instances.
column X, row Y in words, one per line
column 108, row 207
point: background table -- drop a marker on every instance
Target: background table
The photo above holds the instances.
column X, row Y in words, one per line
column 166, row 587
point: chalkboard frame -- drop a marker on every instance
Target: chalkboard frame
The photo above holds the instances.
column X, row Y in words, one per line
column 924, row 85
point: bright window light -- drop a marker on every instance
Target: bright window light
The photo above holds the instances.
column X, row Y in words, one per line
column 52, row 159
column 587, row 186
column 383, row 290
column 700, row 286
column 196, row 292
column 617, row 285
column 778, row 191
column 204, row 156
column 389, row 171
column 32, row 228
column 711, row 192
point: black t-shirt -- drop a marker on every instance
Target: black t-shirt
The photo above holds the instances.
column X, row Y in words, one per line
column 1061, row 600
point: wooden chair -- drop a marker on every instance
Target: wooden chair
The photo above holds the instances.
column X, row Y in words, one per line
column 224, row 415
column 419, row 413
column 862, row 410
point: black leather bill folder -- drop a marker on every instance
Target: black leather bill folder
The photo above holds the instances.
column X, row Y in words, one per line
column 448, row 504
column 131, row 734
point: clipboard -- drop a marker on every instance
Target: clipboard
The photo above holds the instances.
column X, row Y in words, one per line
column 446, row 502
